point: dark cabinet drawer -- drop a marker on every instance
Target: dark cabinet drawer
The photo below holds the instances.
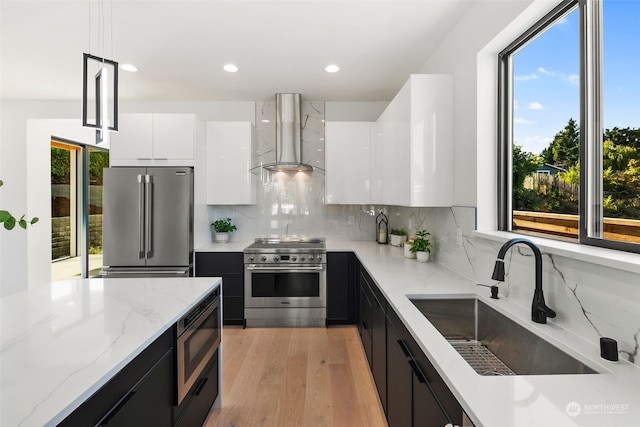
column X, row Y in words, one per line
column 201, row 397
column 154, row 364
column 210, row 264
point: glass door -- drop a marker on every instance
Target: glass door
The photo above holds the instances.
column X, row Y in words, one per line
column 76, row 209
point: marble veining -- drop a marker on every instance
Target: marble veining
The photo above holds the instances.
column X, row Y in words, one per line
column 61, row 342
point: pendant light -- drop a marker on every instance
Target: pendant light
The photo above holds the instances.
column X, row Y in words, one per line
column 100, row 81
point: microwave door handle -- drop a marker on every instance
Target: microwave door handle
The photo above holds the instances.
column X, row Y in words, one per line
column 148, row 182
column 140, row 217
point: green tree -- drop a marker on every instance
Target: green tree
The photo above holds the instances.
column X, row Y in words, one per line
column 524, row 163
column 565, row 147
column 60, row 165
column 98, row 160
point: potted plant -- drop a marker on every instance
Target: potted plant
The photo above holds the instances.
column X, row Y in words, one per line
column 222, row 229
column 421, row 246
column 398, row 236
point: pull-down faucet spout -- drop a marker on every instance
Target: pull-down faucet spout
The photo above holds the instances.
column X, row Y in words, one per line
column 539, row 310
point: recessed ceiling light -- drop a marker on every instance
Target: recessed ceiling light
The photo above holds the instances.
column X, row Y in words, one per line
column 266, row 121
column 129, row 67
column 332, row 68
column 230, row 68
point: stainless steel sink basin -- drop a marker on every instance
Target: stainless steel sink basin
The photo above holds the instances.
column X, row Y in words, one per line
column 492, row 343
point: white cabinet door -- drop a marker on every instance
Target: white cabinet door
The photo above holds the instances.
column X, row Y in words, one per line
column 416, row 144
column 348, row 150
column 173, row 136
column 153, row 140
column 230, row 146
column 134, row 140
column 432, row 140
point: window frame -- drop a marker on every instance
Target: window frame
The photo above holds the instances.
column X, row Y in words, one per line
column 590, row 210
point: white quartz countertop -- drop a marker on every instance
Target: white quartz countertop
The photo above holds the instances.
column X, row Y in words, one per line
column 610, row 398
column 61, row 342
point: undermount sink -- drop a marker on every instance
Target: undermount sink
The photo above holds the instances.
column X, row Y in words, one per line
column 492, row 343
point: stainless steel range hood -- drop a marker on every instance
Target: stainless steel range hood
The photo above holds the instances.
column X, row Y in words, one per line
column 288, row 135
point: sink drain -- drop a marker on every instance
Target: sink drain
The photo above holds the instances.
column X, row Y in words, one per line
column 478, row 356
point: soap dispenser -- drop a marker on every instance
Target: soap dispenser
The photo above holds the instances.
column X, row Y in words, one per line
column 382, row 228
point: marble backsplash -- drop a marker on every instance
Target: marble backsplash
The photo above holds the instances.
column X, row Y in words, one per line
column 591, row 301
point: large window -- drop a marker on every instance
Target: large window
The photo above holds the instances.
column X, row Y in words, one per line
column 570, row 126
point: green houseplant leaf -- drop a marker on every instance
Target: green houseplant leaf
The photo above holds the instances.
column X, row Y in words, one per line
column 223, row 225
column 9, row 221
column 421, row 243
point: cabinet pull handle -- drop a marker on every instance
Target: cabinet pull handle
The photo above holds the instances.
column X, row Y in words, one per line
column 116, row 409
column 418, row 373
column 404, row 348
column 203, row 381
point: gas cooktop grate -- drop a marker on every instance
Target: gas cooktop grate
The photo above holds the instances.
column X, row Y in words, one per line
column 480, row 358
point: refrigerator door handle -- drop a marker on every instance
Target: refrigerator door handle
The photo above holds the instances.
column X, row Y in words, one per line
column 148, row 182
column 140, row 217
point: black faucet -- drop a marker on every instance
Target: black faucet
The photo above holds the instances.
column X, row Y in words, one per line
column 539, row 310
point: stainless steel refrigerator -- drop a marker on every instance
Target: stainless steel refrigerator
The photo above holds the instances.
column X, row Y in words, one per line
column 147, row 222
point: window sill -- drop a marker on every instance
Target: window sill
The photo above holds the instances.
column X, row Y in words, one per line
column 600, row 256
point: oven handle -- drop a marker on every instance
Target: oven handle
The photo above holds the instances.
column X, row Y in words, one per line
column 292, row 269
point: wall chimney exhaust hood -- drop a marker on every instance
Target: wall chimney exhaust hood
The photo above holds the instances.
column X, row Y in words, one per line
column 288, row 135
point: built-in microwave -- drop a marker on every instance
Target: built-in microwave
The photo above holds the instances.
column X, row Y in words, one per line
column 198, row 336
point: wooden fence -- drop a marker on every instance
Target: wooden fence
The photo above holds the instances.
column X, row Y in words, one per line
column 566, row 226
column 544, row 183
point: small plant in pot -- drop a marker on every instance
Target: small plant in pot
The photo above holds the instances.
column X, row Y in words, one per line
column 398, row 236
column 222, row 229
column 421, row 245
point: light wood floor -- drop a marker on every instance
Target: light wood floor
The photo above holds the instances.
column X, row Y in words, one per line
column 296, row 377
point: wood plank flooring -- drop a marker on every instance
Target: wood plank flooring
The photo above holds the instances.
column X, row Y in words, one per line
column 296, row 377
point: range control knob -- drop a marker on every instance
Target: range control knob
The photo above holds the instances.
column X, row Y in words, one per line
column 294, row 258
column 310, row 257
column 251, row 257
column 263, row 258
column 302, row 258
column 276, row 257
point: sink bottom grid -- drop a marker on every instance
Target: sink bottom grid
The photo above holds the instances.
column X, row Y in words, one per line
column 480, row 358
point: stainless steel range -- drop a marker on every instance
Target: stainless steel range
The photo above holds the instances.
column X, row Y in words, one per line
column 285, row 282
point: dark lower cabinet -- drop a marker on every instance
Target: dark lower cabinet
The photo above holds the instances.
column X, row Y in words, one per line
column 426, row 411
column 142, row 405
column 229, row 266
column 411, row 391
column 141, row 393
column 364, row 322
column 197, row 404
column 399, row 379
column 342, row 284
column 431, row 403
column 373, row 327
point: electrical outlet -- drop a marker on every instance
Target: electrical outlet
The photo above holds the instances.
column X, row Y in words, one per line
column 352, row 219
column 459, row 236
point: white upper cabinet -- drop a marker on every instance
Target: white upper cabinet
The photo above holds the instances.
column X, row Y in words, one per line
column 153, row 140
column 416, row 143
column 230, row 147
column 348, row 153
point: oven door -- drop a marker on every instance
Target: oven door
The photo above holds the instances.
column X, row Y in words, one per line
column 280, row 286
column 196, row 346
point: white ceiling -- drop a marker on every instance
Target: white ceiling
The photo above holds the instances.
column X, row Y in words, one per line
column 180, row 46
